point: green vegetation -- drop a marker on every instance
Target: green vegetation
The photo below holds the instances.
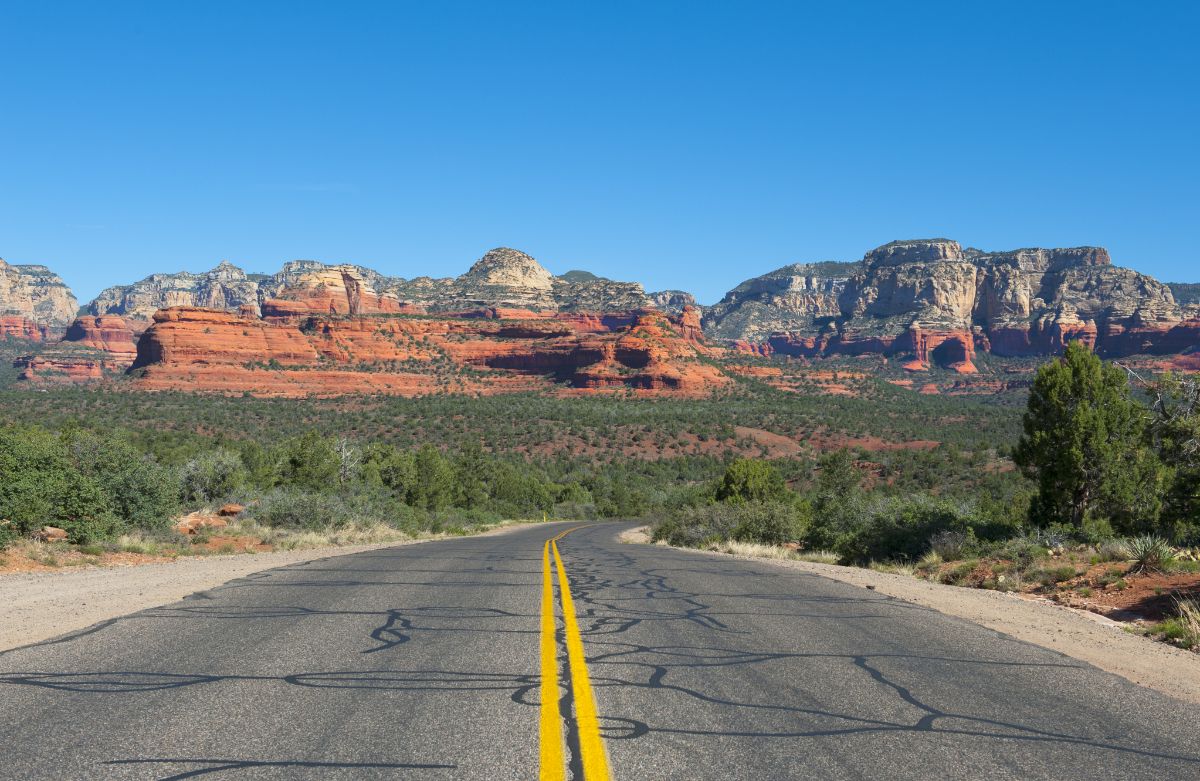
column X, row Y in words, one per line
column 93, row 486
column 1182, row 629
column 1099, row 462
column 1083, row 446
column 956, row 489
column 98, row 486
column 1185, row 292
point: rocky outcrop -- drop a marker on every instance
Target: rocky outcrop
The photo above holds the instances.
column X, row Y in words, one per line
column 67, row 367
column 94, row 348
column 503, row 278
column 107, row 333
column 794, row 299
column 329, row 290
column 36, row 294
column 938, row 303
column 224, row 287
column 326, row 355
column 189, row 335
column 672, row 301
column 1187, row 295
column 508, row 278
column 15, row 327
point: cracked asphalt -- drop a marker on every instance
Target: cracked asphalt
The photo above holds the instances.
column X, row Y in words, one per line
column 423, row 662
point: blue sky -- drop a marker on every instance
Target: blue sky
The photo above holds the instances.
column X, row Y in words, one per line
column 686, row 145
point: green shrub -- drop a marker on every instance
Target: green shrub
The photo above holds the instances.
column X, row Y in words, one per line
column 751, row 480
column 1050, row 576
column 1021, row 551
column 309, row 462
column 140, row 492
column 899, row 528
column 952, row 545
column 218, row 474
column 695, row 527
column 8, row 533
column 959, row 572
column 1111, row 550
column 82, row 509
column 771, row 523
column 292, row 509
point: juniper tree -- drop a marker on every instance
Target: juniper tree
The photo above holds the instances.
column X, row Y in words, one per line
column 1083, row 445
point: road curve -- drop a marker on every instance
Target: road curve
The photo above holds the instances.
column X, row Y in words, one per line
column 430, row 661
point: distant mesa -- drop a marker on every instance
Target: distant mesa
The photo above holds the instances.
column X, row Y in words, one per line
column 938, row 303
column 503, row 277
column 507, row 324
column 648, row 353
column 36, row 294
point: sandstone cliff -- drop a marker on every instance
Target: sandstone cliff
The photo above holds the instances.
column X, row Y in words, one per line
column 936, row 302
column 15, row 327
column 224, row 287
column 492, row 351
column 94, row 348
column 503, row 277
column 36, row 294
column 672, row 301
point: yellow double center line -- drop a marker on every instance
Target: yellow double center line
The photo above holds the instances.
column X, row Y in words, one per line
column 591, row 747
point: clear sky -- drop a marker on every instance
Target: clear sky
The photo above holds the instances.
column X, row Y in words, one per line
column 686, row 145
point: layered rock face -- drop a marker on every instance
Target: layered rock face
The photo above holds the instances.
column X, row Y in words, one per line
column 14, row 327
column 36, row 294
column 938, row 303
column 94, row 348
column 224, row 287
column 792, row 299
column 672, row 301
column 502, row 278
column 508, row 278
column 312, row 287
column 489, row 352
column 108, row 333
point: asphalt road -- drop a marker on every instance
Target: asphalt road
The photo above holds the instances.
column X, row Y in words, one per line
column 427, row 661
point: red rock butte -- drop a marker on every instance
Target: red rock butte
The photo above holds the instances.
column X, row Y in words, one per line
column 476, row 352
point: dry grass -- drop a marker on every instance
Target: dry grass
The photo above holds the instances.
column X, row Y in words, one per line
column 295, row 539
column 893, row 568
column 354, row 534
column 1189, row 621
column 759, row 551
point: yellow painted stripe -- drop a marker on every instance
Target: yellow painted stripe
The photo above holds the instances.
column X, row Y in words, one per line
column 550, row 733
column 591, row 747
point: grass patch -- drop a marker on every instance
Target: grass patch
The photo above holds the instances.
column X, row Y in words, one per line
column 1182, row 629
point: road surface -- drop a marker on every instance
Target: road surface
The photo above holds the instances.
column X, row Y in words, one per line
column 465, row 659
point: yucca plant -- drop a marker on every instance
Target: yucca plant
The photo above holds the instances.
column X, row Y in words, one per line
column 1149, row 553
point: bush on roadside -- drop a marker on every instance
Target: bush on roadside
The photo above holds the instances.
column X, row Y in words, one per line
column 953, row 545
column 8, row 533
column 899, row 528
column 751, row 480
column 218, row 474
column 295, row 509
column 140, row 492
column 759, row 522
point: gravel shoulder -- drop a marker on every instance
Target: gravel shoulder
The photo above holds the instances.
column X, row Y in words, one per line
column 1085, row 636
column 37, row 606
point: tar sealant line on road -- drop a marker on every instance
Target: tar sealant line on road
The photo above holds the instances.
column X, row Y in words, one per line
column 593, row 760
